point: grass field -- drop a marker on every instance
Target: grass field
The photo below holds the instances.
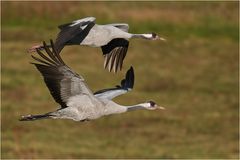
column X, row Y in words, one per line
column 194, row 75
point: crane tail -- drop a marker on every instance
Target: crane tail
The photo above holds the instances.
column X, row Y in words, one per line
column 34, row 117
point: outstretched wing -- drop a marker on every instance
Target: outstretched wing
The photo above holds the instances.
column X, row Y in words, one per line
column 114, row 53
column 123, row 26
column 69, row 32
column 62, row 82
column 126, row 85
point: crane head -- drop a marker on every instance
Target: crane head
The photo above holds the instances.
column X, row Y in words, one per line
column 151, row 105
column 156, row 37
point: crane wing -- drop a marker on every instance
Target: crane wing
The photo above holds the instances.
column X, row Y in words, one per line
column 114, row 53
column 126, row 85
column 62, row 82
column 79, row 28
column 123, row 26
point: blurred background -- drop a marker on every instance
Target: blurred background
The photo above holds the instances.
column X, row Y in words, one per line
column 194, row 75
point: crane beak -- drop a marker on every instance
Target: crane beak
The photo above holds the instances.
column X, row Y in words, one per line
column 160, row 107
column 162, row 39
column 156, row 37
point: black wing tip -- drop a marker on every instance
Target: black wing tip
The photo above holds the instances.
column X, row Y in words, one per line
column 45, row 44
column 128, row 82
column 131, row 69
column 114, row 53
column 50, row 57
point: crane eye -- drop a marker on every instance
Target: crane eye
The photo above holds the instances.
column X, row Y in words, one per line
column 154, row 35
column 152, row 104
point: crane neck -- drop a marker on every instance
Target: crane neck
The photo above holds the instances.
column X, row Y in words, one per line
column 114, row 108
column 144, row 36
column 135, row 107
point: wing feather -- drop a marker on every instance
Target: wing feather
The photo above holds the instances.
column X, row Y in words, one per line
column 126, row 85
column 78, row 29
column 123, row 26
column 62, row 82
column 114, row 53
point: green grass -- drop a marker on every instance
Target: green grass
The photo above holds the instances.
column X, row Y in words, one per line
column 194, row 75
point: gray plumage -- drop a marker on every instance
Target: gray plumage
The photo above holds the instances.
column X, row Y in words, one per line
column 112, row 38
column 77, row 102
